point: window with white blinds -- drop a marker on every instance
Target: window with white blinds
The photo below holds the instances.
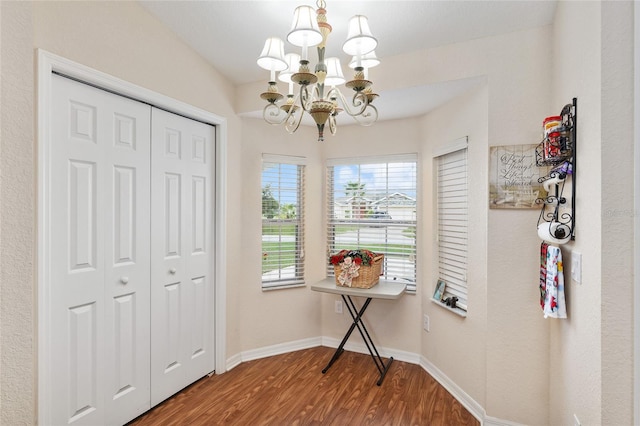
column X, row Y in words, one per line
column 372, row 204
column 452, row 215
column 282, row 221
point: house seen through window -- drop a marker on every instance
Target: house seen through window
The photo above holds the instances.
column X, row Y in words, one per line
column 372, row 204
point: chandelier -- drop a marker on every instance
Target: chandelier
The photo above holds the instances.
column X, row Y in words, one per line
column 318, row 93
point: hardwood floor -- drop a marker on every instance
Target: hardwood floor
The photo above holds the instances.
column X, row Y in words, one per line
column 290, row 389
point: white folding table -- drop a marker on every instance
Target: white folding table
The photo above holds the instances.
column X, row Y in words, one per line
column 383, row 290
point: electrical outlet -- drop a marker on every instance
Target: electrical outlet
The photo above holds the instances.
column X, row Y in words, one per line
column 425, row 322
column 338, row 306
column 576, row 422
column 576, row 267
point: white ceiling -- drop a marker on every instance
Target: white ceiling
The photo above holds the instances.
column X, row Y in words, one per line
column 230, row 33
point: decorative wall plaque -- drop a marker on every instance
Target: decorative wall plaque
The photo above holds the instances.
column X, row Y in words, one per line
column 513, row 177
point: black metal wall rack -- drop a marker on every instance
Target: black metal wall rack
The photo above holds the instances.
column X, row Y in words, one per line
column 559, row 150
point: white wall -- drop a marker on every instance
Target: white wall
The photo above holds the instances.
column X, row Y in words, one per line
column 518, row 366
column 17, row 217
column 451, row 338
column 277, row 316
column 503, row 344
column 576, row 342
column 617, row 212
column 593, row 61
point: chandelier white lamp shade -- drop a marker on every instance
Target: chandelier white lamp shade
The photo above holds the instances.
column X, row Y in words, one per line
column 359, row 41
column 272, row 59
column 366, row 61
column 272, row 56
column 293, row 64
column 334, row 76
column 304, row 29
column 318, row 93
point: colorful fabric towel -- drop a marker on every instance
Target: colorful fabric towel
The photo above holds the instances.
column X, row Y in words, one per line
column 552, row 282
column 543, row 272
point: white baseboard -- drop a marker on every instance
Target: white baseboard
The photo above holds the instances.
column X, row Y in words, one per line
column 233, row 362
column 399, row 355
column 492, row 421
column 456, row 391
column 273, row 350
column 464, row 398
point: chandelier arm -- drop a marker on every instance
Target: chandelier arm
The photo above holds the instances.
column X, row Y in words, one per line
column 305, row 99
column 360, row 102
column 333, row 127
column 271, row 114
column 368, row 117
column 294, row 122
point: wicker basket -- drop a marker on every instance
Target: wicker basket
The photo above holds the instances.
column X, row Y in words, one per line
column 368, row 276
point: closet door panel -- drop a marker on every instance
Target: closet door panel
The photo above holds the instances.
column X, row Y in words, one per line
column 198, row 161
column 182, row 297
column 99, row 287
column 77, row 268
column 127, row 248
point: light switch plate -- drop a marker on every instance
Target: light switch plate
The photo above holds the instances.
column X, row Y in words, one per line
column 576, row 267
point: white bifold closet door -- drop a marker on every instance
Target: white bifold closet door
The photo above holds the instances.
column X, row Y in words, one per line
column 181, row 252
column 130, row 298
column 100, row 256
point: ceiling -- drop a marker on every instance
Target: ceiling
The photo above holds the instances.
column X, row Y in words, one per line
column 230, row 33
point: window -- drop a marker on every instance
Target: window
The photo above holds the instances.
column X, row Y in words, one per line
column 282, row 221
column 452, row 214
column 372, row 205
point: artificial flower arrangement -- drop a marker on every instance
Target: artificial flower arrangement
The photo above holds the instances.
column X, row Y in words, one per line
column 357, row 268
column 360, row 257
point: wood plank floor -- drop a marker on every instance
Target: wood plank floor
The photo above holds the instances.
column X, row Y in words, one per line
column 290, row 389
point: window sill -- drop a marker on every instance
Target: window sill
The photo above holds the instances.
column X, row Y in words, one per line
column 282, row 285
column 457, row 311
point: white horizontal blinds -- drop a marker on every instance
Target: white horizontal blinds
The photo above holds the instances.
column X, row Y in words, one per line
column 282, row 221
column 453, row 223
column 372, row 205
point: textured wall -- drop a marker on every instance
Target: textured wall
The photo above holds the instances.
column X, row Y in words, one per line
column 617, row 212
column 452, row 339
column 506, row 325
column 517, row 336
column 588, row 359
column 271, row 317
column 576, row 342
column 593, row 54
column 17, row 217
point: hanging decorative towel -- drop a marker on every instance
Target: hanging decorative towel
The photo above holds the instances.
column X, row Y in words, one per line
column 543, row 272
column 552, row 282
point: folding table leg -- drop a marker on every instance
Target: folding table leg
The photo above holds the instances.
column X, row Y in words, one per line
column 340, row 349
column 356, row 315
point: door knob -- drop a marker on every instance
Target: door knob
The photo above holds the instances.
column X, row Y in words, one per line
column 124, row 280
column 172, row 270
